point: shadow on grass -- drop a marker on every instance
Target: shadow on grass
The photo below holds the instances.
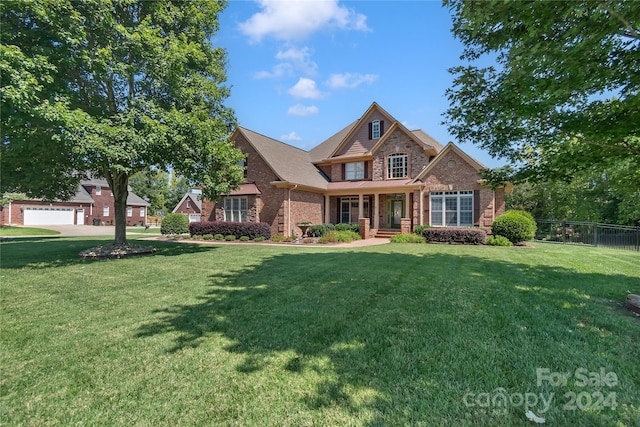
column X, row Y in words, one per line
column 39, row 252
column 415, row 333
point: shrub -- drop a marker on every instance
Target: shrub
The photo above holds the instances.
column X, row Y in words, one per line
column 467, row 236
column 347, row 227
column 244, row 238
column 498, row 241
column 218, row 237
column 197, row 237
column 420, row 228
column 237, row 229
column 339, row 236
column 320, row 230
column 407, row 238
column 259, row 239
column 175, row 223
column 230, row 238
column 308, row 240
column 208, row 237
column 277, row 238
column 517, row 226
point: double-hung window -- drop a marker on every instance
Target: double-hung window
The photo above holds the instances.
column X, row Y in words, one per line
column 397, row 166
column 354, row 171
column 452, row 208
column 129, row 211
column 235, row 209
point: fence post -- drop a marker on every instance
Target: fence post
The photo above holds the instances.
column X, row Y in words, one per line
column 564, row 232
column 637, row 238
column 595, row 234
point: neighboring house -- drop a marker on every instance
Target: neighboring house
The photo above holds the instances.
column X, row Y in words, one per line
column 375, row 168
column 92, row 204
column 190, row 205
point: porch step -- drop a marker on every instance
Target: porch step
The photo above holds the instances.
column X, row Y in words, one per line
column 387, row 233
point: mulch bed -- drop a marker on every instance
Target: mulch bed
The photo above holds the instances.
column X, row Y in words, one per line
column 116, row 251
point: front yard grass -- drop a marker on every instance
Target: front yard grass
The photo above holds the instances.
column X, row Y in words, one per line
column 9, row 231
column 263, row 335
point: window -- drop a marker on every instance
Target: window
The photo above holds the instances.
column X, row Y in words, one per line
column 397, row 166
column 235, row 209
column 349, row 209
column 98, row 190
column 243, row 164
column 188, row 203
column 452, row 208
column 353, row 171
column 142, row 211
column 129, row 211
column 105, row 211
column 375, row 129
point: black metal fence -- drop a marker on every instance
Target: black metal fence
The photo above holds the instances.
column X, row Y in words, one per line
column 589, row 233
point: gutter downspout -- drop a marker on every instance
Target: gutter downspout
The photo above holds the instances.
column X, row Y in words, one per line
column 289, row 208
column 10, row 213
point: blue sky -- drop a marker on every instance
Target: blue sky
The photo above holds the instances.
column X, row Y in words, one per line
column 300, row 71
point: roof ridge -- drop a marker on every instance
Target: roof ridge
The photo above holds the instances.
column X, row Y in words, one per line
column 273, row 139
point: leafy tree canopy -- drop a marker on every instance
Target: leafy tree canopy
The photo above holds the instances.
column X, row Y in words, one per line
column 111, row 89
column 563, row 94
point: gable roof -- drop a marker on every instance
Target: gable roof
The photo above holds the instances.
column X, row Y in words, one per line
column 132, row 198
column 356, row 126
column 427, row 139
column 288, row 163
column 399, row 126
column 450, row 147
column 194, row 198
column 326, row 148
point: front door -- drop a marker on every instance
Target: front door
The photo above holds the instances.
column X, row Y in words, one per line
column 395, row 212
column 80, row 216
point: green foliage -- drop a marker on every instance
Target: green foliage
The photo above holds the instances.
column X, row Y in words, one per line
column 498, row 241
column 244, row 238
column 174, row 223
column 563, row 96
column 407, row 238
column 230, row 238
column 345, row 236
column 153, row 186
column 259, row 239
column 516, row 226
column 218, row 237
column 420, row 228
column 112, row 89
column 277, row 238
column 208, row 237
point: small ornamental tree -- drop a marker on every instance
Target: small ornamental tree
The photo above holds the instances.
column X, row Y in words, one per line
column 517, row 226
column 174, row 223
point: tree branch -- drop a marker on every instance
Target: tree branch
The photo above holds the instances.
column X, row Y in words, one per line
column 631, row 32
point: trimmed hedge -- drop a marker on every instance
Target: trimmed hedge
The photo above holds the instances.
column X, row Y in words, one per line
column 320, row 230
column 174, row 223
column 467, row 236
column 407, row 238
column 237, row 229
column 498, row 241
column 517, row 226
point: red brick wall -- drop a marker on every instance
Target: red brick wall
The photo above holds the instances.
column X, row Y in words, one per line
column 192, row 209
column 17, row 210
column 399, row 142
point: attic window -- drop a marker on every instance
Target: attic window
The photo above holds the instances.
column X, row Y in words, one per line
column 376, row 129
column 243, row 164
column 98, row 190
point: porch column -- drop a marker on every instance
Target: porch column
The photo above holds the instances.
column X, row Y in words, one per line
column 376, row 209
column 327, row 201
column 408, row 212
column 421, row 207
column 360, row 207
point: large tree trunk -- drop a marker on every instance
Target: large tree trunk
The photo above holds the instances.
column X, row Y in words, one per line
column 119, row 183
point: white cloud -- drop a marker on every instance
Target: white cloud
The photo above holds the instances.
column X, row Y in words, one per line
column 303, row 110
column 299, row 58
column 291, row 136
column 305, row 88
column 350, row 80
column 295, row 20
column 279, row 70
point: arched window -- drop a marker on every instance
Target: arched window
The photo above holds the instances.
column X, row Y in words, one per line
column 397, row 166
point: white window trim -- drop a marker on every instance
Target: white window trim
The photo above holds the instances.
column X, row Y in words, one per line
column 443, row 196
column 375, row 129
column 129, row 211
column 353, row 202
column 357, row 172
column 236, row 215
column 105, row 211
column 142, row 211
column 404, row 167
column 98, row 190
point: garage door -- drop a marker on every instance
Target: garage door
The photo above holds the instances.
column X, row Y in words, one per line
column 194, row 217
column 48, row 216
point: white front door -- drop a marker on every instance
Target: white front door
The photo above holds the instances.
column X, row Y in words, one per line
column 80, row 216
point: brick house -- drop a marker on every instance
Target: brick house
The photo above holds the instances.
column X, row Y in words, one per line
column 92, row 204
column 375, row 168
column 191, row 206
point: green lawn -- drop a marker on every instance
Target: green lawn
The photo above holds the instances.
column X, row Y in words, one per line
column 8, row 231
column 258, row 335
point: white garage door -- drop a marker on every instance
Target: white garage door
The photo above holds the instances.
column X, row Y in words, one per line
column 48, row 216
column 194, row 217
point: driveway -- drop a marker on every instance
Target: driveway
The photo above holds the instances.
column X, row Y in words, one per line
column 80, row 230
